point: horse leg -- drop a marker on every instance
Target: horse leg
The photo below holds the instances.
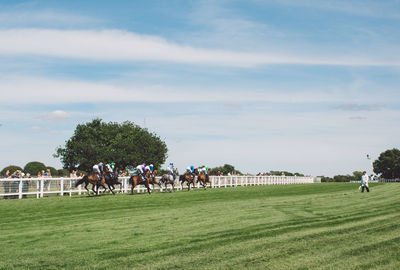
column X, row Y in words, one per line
column 88, row 191
column 97, row 188
column 147, row 184
column 109, row 187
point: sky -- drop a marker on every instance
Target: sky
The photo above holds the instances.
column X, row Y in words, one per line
column 303, row 86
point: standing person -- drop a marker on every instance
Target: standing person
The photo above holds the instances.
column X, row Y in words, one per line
column 6, row 184
column 47, row 174
column 364, row 181
column 72, row 174
column 14, row 187
column 26, row 184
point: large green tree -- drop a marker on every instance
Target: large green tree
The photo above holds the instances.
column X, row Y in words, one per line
column 125, row 144
column 388, row 164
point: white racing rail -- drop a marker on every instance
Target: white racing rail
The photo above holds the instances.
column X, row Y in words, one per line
column 41, row 187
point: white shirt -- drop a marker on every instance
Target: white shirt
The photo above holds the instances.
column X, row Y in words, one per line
column 365, row 178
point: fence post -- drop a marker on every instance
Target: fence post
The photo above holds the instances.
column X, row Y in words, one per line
column 80, row 190
column 70, row 187
column 62, row 186
column 20, row 189
column 41, row 187
column 37, row 189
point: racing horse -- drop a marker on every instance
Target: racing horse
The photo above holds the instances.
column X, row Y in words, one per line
column 111, row 180
column 92, row 178
column 187, row 177
column 137, row 179
column 169, row 179
column 153, row 179
column 202, row 178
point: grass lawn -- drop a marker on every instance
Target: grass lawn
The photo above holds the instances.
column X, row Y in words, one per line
column 324, row 226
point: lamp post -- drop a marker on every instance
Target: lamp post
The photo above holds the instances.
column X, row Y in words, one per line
column 371, row 164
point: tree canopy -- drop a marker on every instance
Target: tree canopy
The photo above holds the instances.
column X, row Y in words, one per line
column 388, row 164
column 125, row 144
column 224, row 170
column 34, row 167
column 11, row 168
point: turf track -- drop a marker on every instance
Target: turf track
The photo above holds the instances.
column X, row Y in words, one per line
column 313, row 226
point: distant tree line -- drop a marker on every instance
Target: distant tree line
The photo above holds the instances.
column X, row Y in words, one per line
column 34, row 167
column 224, row 170
column 343, row 178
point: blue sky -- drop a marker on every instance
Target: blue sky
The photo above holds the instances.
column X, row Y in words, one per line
column 307, row 86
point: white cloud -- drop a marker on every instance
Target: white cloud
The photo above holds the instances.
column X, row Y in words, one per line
column 39, row 129
column 44, row 91
column 115, row 45
column 43, row 17
column 370, row 8
column 58, row 115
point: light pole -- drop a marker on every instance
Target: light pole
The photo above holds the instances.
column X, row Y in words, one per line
column 371, row 164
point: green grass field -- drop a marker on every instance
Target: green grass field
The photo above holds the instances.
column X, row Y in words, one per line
column 324, row 226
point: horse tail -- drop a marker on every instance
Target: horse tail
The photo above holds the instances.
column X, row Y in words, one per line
column 84, row 179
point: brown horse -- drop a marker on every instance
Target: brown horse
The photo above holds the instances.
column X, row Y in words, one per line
column 202, row 178
column 187, row 177
column 153, row 179
column 92, row 178
column 135, row 180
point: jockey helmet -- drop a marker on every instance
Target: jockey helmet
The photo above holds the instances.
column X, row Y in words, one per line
column 172, row 164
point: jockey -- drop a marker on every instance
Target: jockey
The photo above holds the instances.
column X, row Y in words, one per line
column 111, row 167
column 141, row 170
column 203, row 170
column 190, row 170
column 170, row 169
column 150, row 167
column 98, row 168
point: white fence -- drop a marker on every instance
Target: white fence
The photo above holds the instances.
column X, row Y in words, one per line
column 40, row 187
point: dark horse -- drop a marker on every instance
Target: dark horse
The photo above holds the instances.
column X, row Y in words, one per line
column 187, row 177
column 92, row 178
column 135, row 180
column 111, row 179
column 202, row 178
column 169, row 179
